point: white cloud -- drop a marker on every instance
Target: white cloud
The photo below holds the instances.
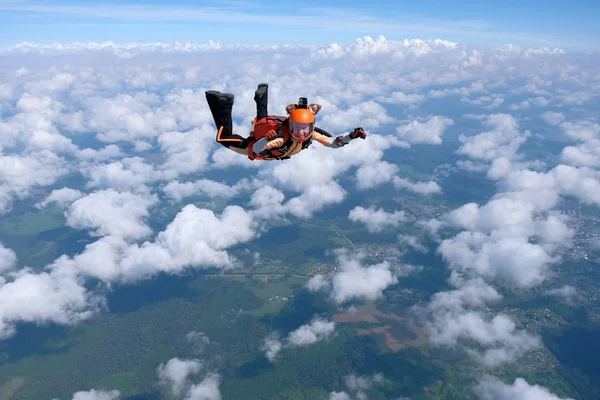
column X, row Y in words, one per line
column 373, row 174
column 491, row 388
column 429, row 132
column 369, row 115
column 267, row 202
column 178, row 190
column 568, row 292
column 413, row 242
column 196, row 238
column 176, row 373
column 403, row 98
column 271, row 346
column 97, row 395
column 503, row 140
column 452, row 319
column 20, row 174
column 108, row 212
column 128, row 174
column 553, row 118
column 8, row 259
column 496, row 242
column 103, row 154
column 61, row 197
column 357, row 386
column 317, row 330
column 377, row 219
column 425, row 188
column 207, row 389
column 42, row 298
column 187, row 152
column 314, row 199
column 354, row 281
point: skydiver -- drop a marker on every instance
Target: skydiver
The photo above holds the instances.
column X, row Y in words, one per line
column 273, row 137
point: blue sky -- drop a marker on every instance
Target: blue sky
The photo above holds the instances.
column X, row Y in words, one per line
column 569, row 25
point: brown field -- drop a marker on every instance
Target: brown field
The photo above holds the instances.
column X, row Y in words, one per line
column 10, row 387
column 395, row 332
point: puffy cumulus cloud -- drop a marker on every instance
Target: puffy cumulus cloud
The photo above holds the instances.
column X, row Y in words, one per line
column 562, row 180
column 377, row 219
column 553, row 118
column 429, row 132
column 357, row 387
column 586, row 154
column 108, row 212
column 272, row 345
column 127, row 174
column 177, row 376
column 267, row 202
column 412, row 242
column 453, row 318
column 314, row 199
column 187, row 152
column 425, row 188
column 207, row 389
column 567, row 292
column 8, row 259
column 125, row 117
column 353, row 280
column 399, row 97
column 486, row 102
column 47, row 297
column 369, row 115
column 196, row 238
column 176, row 372
column 20, row 174
column 491, row 388
column 61, row 198
column 496, row 242
column 374, row 174
column 538, row 101
column 224, row 158
column 587, row 132
column 179, row 190
column 317, row 330
column 105, row 153
column 503, row 140
column 95, row 394
column 199, row 340
column 34, row 125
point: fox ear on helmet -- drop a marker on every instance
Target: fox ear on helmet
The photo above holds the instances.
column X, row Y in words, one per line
column 315, row 108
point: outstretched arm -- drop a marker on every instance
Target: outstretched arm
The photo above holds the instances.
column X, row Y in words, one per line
column 339, row 141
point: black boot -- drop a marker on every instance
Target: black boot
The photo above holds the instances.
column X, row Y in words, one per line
column 261, row 97
column 221, row 105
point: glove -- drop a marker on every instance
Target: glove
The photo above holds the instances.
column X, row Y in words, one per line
column 272, row 134
column 358, row 133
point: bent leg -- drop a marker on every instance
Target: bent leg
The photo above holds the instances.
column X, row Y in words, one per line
column 261, row 97
column 220, row 105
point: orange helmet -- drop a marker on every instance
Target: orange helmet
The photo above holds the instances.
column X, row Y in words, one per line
column 301, row 124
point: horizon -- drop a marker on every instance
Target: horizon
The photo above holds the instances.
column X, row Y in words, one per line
column 519, row 23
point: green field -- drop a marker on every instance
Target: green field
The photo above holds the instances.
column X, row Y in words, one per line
column 267, row 292
column 31, row 223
